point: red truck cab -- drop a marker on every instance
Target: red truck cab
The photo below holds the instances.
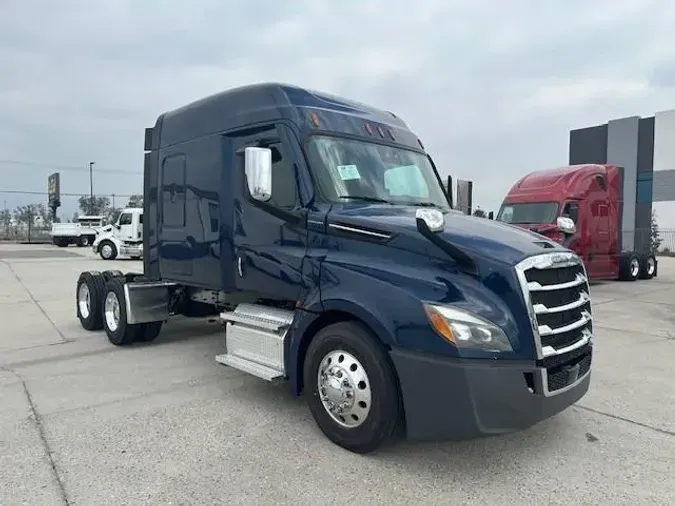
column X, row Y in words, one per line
column 591, row 196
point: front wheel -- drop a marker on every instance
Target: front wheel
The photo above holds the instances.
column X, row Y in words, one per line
column 351, row 388
column 107, row 250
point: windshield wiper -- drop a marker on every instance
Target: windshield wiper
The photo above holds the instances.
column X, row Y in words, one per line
column 365, row 199
column 421, row 204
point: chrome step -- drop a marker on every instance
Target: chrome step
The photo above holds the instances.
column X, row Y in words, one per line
column 247, row 366
column 254, row 340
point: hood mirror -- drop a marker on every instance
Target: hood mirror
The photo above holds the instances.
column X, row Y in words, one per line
column 566, row 225
column 433, row 218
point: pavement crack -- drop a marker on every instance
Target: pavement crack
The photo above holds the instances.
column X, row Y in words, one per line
column 34, row 300
column 627, row 420
column 43, row 437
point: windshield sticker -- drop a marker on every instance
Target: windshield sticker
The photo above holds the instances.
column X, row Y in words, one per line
column 348, row 172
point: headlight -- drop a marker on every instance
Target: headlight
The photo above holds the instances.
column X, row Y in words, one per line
column 466, row 330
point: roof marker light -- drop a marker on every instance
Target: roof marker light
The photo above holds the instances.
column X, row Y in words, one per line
column 391, row 135
column 420, row 143
column 314, row 119
column 380, row 131
column 368, row 128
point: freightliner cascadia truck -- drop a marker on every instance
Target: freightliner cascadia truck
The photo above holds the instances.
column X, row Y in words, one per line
column 591, row 196
column 318, row 229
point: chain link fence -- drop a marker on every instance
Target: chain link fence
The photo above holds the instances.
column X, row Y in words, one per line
column 667, row 242
column 26, row 235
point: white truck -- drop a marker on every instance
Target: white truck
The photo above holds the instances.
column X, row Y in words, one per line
column 125, row 237
column 82, row 232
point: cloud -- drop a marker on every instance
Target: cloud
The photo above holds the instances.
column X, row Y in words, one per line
column 492, row 88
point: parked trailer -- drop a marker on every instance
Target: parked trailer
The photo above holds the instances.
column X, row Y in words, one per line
column 590, row 196
column 82, row 232
column 319, row 230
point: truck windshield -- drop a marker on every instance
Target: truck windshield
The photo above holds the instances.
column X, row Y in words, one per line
column 531, row 212
column 355, row 170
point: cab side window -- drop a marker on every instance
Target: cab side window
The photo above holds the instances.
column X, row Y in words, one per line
column 125, row 219
column 284, row 187
column 572, row 210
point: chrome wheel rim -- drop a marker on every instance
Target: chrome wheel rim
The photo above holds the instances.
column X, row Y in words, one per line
column 344, row 388
column 111, row 309
column 84, row 241
column 84, row 300
column 634, row 267
column 650, row 266
column 106, row 251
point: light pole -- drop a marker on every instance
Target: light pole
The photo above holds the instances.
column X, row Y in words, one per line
column 91, row 188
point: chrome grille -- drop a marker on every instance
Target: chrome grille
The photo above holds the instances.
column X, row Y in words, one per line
column 556, row 291
column 557, row 294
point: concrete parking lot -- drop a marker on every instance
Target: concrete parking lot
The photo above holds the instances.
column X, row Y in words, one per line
column 85, row 423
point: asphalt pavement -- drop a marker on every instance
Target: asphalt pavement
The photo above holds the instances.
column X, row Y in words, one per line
column 83, row 422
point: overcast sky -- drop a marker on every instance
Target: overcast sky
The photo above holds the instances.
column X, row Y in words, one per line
column 491, row 87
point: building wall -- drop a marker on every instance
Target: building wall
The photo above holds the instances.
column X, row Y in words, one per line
column 644, row 147
column 622, row 151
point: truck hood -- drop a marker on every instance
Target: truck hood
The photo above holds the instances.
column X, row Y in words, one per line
column 477, row 237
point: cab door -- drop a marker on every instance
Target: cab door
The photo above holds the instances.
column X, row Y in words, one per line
column 125, row 227
column 269, row 249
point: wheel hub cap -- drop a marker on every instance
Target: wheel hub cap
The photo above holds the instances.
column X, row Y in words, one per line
column 650, row 266
column 344, row 389
column 634, row 267
column 84, row 300
column 112, row 311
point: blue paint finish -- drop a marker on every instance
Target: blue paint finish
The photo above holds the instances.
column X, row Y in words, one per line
column 305, row 261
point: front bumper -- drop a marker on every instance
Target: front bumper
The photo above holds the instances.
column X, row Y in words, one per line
column 447, row 398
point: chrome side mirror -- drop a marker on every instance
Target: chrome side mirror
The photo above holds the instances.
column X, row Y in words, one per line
column 258, row 169
column 566, row 225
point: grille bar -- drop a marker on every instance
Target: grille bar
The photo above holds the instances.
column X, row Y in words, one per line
column 545, row 330
column 542, row 309
column 535, row 286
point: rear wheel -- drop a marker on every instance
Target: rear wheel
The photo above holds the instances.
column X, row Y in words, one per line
column 149, row 332
column 351, row 387
column 83, row 241
column 88, row 296
column 630, row 267
column 119, row 332
column 648, row 267
column 113, row 273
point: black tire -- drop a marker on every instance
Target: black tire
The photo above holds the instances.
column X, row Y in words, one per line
column 61, row 243
column 384, row 418
column 149, row 332
column 627, row 268
column 113, row 250
column 113, row 273
column 83, row 241
column 95, row 285
column 123, row 333
column 648, row 266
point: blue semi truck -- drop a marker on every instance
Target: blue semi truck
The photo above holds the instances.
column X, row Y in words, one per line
column 319, row 230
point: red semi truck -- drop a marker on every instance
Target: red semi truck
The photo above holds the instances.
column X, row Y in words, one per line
column 581, row 207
